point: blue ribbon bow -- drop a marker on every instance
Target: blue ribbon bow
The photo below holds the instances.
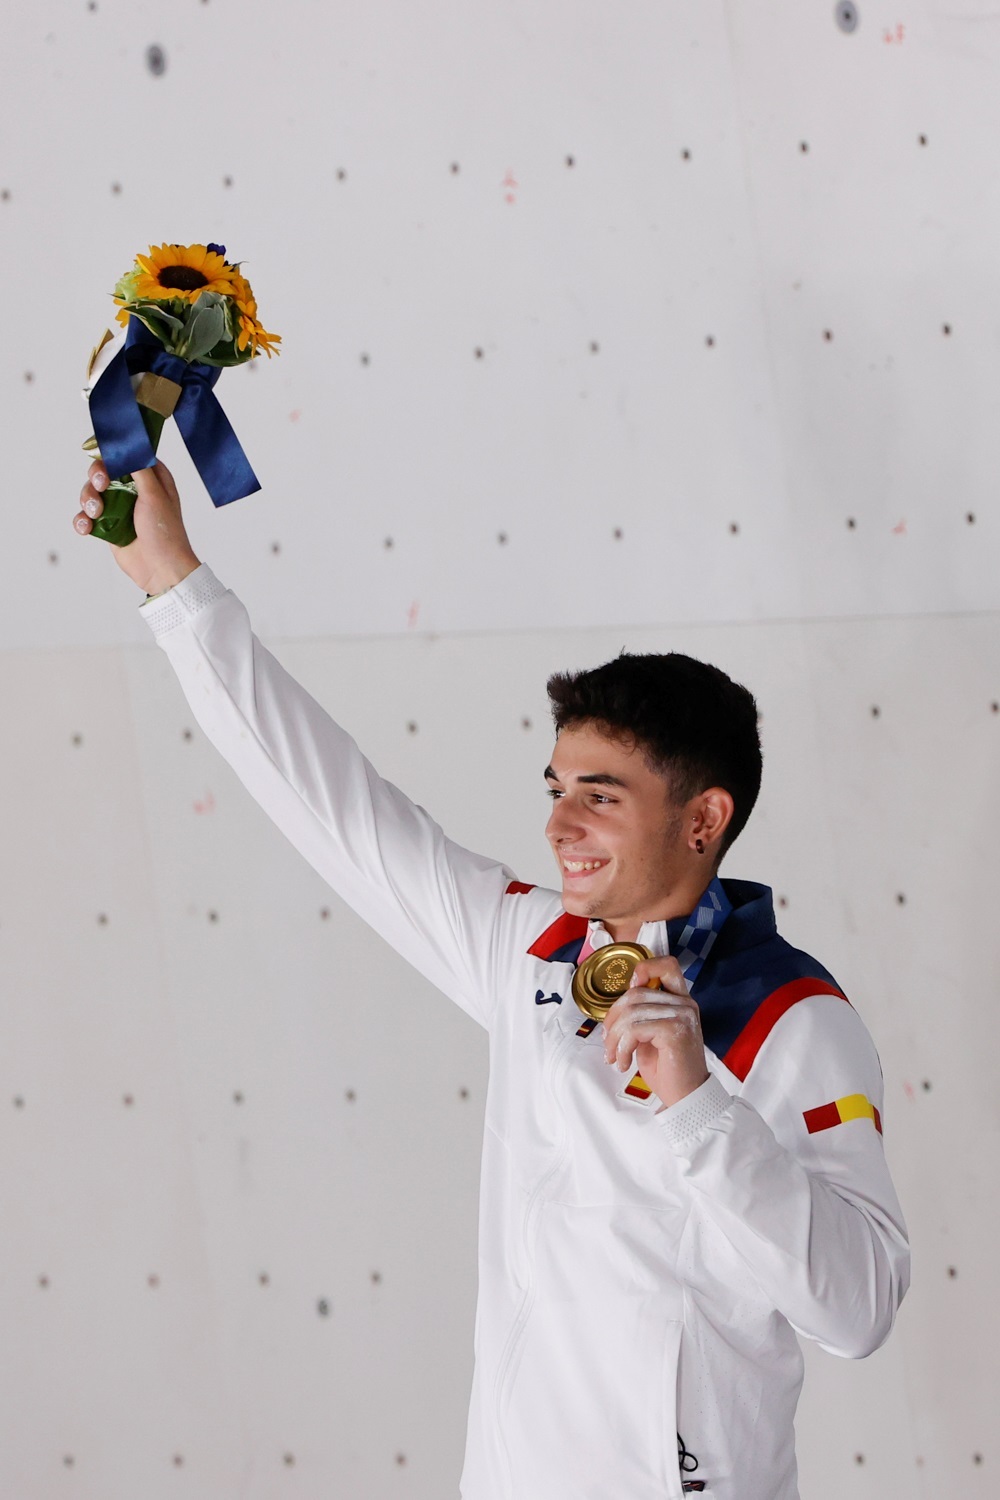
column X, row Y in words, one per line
column 123, row 440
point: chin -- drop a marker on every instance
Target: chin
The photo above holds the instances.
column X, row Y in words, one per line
column 580, row 905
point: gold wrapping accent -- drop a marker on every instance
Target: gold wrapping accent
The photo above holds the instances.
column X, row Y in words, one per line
column 108, row 336
column 605, row 976
column 158, row 393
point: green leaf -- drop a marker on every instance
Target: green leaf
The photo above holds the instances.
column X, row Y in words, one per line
column 159, row 309
column 204, row 329
column 225, row 353
column 163, row 334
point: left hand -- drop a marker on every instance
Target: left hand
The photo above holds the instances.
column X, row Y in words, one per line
column 660, row 1028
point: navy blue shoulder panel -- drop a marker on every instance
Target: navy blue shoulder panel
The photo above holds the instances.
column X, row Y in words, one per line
column 569, row 952
column 747, row 963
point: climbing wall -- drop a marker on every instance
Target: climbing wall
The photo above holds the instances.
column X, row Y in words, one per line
column 664, row 328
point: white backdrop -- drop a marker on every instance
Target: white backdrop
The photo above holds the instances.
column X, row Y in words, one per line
column 554, row 283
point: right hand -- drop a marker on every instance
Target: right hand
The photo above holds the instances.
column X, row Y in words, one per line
column 161, row 554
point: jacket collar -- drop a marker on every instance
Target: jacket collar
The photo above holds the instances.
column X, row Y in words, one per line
column 750, row 922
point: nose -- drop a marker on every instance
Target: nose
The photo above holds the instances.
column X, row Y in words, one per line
column 561, row 824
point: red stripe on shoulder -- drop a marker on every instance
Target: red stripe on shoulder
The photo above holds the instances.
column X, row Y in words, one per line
column 563, row 930
column 741, row 1055
column 518, row 888
column 823, row 1118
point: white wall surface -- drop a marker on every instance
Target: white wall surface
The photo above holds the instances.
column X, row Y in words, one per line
column 240, row 1152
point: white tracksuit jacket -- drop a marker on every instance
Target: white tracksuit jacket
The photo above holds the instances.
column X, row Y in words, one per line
column 643, row 1271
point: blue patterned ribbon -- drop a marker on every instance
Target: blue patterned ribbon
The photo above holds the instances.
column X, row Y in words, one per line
column 122, row 437
column 703, row 927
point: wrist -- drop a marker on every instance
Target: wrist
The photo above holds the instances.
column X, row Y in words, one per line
column 166, row 578
column 673, row 1089
column 685, row 1122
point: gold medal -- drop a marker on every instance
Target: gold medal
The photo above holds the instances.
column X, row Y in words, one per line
column 605, row 976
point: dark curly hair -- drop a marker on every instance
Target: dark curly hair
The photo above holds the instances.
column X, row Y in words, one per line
column 695, row 726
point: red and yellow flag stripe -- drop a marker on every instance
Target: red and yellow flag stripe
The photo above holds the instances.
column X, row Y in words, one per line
column 851, row 1107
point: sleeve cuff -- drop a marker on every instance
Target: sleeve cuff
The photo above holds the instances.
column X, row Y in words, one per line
column 176, row 606
column 682, row 1121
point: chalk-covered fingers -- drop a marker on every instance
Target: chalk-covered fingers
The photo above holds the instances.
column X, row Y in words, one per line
column 658, row 1031
column 91, row 503
column 659, row 1019
column 666, row 972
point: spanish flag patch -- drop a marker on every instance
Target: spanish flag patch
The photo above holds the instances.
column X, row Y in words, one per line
column 851, row 1107
column 638, row 1088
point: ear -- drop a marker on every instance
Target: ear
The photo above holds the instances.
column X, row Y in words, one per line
column 709, row 815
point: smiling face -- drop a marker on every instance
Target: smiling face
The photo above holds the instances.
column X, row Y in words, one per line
column 625, row 850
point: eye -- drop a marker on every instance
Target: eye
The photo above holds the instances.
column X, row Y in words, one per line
column 551, row 791
column 599, row 797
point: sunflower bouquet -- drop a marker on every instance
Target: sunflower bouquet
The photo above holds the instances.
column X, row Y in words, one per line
column 187, row 314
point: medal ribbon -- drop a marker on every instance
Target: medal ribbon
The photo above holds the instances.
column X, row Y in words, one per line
column 703, row 927
column 123, row 440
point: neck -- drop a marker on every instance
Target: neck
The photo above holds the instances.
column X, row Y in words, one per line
column 680, row 902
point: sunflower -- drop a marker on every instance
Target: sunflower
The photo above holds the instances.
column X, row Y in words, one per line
column 176, row 273
column 251, row 331
column 184, row 272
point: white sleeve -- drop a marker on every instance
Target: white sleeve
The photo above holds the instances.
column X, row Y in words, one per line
column 812, row 1214
column 436, row 903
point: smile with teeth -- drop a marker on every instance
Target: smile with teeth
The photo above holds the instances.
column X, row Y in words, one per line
column 582, row 866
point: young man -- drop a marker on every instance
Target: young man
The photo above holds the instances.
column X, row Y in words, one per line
column 669, row 1199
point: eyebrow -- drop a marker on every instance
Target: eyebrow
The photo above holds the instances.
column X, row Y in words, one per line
column 601, row 778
